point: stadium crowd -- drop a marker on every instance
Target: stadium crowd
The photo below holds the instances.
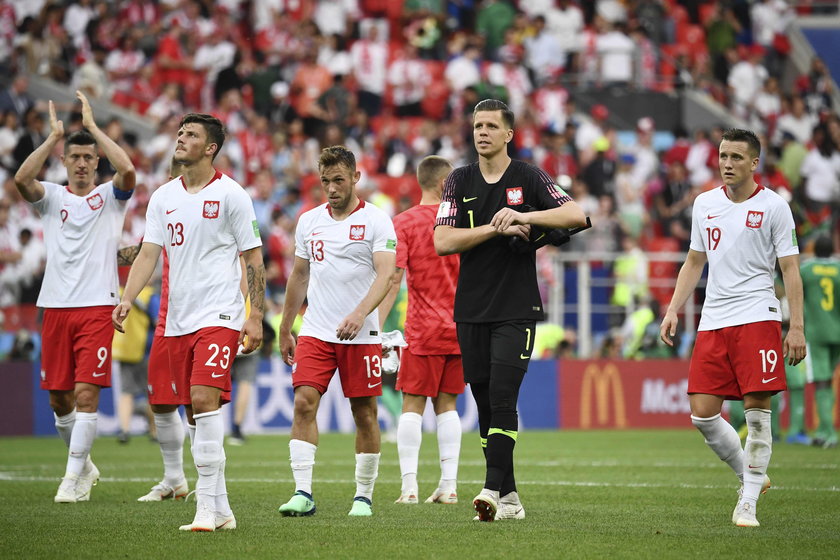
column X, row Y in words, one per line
column 396, row 81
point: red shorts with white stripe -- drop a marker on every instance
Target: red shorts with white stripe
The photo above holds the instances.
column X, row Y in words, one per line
column 733, row 361
column 359, row 366
column 76, row 347
column 430, row 375
column 203, row 358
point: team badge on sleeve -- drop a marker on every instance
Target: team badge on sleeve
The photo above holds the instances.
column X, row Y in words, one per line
column 211, row 209
column 391, row 244
column 514, row 196
column 95, row 201
column 754, row 219
column 357, row 233
column 443, row 209
column 256, row 227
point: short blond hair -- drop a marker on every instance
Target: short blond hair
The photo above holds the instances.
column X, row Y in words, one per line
column 431, row 170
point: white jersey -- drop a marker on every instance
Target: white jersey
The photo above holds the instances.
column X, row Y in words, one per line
column 82, row 235
column 203, row 234
column 742, row 242
column 341, row 271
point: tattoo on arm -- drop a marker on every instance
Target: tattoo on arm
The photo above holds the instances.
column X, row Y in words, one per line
column 256, row 287
column 126, row 255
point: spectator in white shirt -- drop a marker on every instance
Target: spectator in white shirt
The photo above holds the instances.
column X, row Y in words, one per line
column 408, row 78
column 615, row 52
column 544, row 54
column 76, row 19
column 370, row 59
column 797, row 122
column 745, row 80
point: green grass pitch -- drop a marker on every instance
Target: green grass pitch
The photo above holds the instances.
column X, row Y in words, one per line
column 598, row 494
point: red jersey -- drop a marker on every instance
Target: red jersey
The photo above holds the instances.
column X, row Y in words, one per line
column 431, row 279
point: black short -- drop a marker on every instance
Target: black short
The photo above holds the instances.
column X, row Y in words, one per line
column 508, row 343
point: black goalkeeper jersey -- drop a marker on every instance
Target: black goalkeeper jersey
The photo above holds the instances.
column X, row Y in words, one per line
column 496, row 283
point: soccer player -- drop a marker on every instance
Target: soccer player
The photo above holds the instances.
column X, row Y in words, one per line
column 431, row 364
column 820, row 282
column 205, row 220
column 166, row 392
column 741, row 229
column 82, row 226
column 344, row 259
column 497, row 302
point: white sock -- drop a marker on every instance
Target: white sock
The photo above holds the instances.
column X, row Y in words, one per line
column 222, row 504
column 449, row 448
column 208, row 453
column 367, row 469
column 191, row 432
column 302, row 459
column 409, row 437
column 722, row 438
column 81, row 440
column 64, row 425
column 758, row 448
column 170, row 434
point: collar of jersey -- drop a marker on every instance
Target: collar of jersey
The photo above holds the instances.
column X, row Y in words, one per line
column 217, row 175
column 359, row 207
column 755, row 192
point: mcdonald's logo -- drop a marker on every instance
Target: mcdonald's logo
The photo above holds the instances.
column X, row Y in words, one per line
column 602, row 379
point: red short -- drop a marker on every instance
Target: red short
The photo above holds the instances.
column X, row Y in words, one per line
column 163, row 387
column 203, row 358
column 430, row 375
column 359, row 366
column 734, row 361
column 76, row 347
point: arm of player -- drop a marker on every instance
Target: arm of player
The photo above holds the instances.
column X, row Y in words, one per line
column 138, row 277
column 450, row 240
column 25, row 179
column 296, row 288
column 794, row 343
column 686, row 282
column 126, row 176
column 568, row 215
column 384, row 263
column 127, row 255
column 389, row 299
column 252, row 331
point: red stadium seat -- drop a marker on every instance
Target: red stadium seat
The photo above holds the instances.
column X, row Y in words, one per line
column 693, row 38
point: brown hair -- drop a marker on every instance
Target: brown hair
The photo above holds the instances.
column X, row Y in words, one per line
column 496, row 105
column 212, row 126
column 337, row 155
column 741, row 135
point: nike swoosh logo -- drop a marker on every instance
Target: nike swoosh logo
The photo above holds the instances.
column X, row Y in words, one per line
column 214, row 375
column 523, row 356
column 98, row 374
column 314, row 233
column 710, row 217
column 469, row 199
column 768, row 380
column 374, row 385
column 752, row 467
column 170, row 211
